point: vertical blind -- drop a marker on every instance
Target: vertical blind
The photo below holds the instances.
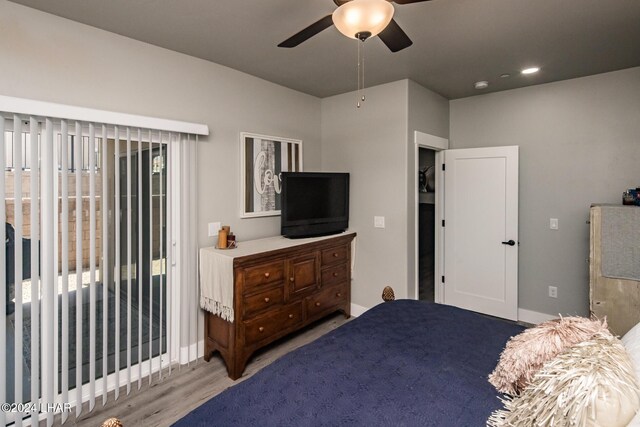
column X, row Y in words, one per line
column 99, row 261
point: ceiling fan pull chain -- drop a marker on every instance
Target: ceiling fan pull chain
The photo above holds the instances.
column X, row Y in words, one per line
column 358, row 71
column 363, row 97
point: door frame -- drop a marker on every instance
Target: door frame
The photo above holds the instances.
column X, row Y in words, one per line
column 437, row 144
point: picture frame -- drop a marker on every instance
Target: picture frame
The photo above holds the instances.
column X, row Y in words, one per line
column 263, row 158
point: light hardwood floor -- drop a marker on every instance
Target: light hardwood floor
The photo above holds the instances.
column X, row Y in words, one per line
column 168, row 400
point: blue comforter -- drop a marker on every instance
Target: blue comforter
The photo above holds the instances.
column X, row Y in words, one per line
column 402, row 363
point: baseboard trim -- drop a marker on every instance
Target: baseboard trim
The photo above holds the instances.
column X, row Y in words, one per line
column 534, row 317
column 195, row 350
column 357, row 310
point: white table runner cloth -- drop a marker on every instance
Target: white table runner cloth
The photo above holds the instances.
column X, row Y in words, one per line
column 216, row 269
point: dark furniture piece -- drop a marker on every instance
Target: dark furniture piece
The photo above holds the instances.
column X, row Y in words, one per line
column 402, row 363
column 279, row 292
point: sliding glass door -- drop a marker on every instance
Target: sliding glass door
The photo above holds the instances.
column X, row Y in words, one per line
column 109, row 299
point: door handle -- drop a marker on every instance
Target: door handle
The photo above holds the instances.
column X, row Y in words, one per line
column 510, row 243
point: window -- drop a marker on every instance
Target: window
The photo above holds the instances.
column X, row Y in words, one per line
column 26, row 151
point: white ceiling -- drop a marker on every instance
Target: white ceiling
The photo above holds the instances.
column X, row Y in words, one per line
column 456, row 42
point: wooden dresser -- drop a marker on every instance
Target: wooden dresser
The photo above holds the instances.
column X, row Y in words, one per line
column 278, row 292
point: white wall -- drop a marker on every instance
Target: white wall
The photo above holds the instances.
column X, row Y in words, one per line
column 579, row 144
column 375, row 145
column 49, row 58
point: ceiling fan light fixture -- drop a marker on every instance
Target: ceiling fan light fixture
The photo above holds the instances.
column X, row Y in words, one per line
column 363, row 16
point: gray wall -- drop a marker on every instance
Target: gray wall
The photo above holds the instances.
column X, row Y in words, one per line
column 54, row 59
column 369, row 143
column 49, row 58
column 375, row 144
column 579, row 144
column 428, row 113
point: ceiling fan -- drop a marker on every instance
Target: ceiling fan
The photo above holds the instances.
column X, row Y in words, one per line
column 360, row 19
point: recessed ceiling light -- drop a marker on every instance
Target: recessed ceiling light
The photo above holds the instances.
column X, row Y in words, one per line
column 530, row 70
column 505, row 76
column 483, row 84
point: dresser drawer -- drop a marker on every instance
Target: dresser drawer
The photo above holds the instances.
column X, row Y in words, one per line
column 277, row 322
column 327, row 300
column 269, row 299
column 335, row 255
column 335, row 274
column 254, row 277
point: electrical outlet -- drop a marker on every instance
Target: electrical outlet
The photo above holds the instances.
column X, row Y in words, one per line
column 378, row 221
column 553, row 292
column 214, row 227
column 553, row 223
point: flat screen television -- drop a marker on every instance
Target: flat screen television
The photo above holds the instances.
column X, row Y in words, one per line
column 314, row 204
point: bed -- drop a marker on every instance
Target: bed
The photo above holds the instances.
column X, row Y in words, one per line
column 401, row 363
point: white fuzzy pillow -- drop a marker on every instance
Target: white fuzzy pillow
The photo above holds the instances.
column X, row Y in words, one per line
column 592, row 383
column 631, row 342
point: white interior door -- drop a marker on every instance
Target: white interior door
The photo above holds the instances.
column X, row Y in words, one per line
column 481, row 230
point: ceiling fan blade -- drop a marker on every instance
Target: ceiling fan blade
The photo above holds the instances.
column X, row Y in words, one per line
column 408, row 1
column 394, row 37
column 308, row 32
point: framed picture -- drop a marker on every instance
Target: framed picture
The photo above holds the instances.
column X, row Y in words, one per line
column 263, row 159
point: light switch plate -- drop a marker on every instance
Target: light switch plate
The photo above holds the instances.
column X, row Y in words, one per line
column 553, row 223
column 214, row 227
column 378, row 221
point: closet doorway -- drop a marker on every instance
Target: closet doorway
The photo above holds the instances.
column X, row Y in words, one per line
column 428, row 216
column 426, row 223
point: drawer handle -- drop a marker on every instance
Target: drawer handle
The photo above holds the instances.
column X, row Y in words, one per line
column 291, row 316
column 335, row 254
column 317, row 304
column 267, row 274
column 261, row 329
column 335, row 274
column 291, row 279
column 338, row 294
column 266, row 299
